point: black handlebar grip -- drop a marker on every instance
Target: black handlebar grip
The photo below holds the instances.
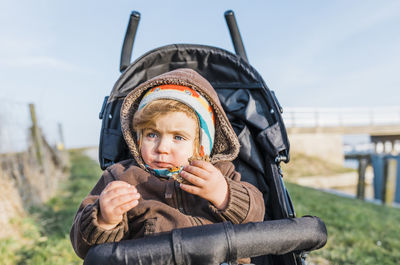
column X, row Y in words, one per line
column 235, row 34
column 215, row 243
column 127, row 46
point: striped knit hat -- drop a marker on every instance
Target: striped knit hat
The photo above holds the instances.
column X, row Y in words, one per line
column 195, row 101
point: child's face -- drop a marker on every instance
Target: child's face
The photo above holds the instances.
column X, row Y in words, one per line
column 170, row 141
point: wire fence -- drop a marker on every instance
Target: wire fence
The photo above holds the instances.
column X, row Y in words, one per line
column 16, row 124
column 30, row 165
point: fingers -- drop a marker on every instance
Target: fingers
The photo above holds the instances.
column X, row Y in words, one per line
column 116, row 189
column 193, row 179
column 196, row 171
column 202, row 169
column 117, row 198
column 191, row 189
column 110, row 216
column 123, row 199
column 121, row 209
column 116, row 184
column 202, row 164
column 208, row 182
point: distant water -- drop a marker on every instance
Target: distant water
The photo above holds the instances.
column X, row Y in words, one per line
column 358, row 143
column 350, row 163
column 356, row 139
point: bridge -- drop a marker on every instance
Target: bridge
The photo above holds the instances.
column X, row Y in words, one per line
column 319, row 131
column 382, row 120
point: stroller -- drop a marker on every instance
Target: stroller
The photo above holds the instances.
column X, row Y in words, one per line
column 255, row 115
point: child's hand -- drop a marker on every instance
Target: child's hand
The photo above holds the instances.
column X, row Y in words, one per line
column 207, row 182
column 116, row 199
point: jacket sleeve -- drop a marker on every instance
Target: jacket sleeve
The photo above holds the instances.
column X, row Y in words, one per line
column 245, row 204
column 85, row 231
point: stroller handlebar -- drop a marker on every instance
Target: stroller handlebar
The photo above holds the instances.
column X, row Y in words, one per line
column 216, row 243
column 126, row 52
column 127, row 46
column 235, row 34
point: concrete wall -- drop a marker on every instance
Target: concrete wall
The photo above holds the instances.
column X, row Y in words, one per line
column 327, row 146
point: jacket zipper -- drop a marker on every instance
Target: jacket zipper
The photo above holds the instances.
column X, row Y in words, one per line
column 179, row 197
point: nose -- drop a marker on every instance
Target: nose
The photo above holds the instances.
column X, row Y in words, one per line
column 164, row 145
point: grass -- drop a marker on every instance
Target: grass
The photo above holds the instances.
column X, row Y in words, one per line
column 45, row 232
column 358, row 232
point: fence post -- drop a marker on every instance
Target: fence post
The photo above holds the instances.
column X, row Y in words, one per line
column 36, row 137
column 389, row 185
column 61, row 144
column 362, row 167
column 61, row 151
column 397, row 192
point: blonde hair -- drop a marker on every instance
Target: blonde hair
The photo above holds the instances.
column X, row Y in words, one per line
column 147, row 116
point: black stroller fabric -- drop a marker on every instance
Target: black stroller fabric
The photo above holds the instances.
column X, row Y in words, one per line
column 251, row 107
column 214, row 244
column 236, row 82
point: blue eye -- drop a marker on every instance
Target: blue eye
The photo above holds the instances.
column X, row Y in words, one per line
column 151, row 135
column 179, row 138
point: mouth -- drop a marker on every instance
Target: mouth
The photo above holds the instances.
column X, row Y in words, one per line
column 160, row 164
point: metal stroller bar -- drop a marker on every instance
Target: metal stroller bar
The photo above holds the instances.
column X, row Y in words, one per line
column 128, row 41
column 235, row 34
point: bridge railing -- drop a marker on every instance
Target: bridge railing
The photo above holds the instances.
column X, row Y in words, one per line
column 337, row 117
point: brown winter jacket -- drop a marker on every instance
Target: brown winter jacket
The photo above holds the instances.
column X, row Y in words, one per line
column 163, row 206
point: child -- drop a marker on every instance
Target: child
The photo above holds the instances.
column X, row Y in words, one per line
column 168, row 121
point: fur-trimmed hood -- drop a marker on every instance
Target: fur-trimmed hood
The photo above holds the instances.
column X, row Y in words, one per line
column 226, row 144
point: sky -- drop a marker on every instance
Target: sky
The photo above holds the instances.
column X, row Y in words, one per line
column 63, row 56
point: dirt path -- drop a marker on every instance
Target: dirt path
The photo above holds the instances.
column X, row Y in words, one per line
column 345, row 182
column 93, row 153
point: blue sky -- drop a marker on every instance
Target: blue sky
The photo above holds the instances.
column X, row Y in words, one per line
column 64, row 55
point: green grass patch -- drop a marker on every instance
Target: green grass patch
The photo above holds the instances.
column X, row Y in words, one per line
column 358, row 232
column 45, row 232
